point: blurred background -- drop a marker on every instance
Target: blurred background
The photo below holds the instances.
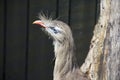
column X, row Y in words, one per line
column 26, row 53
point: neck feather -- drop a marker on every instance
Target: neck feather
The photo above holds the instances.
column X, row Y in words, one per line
column 65, row 58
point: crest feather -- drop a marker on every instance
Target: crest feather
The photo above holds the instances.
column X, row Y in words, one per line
column 44, row 17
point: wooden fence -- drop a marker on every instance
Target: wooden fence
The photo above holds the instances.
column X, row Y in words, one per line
column 26, row 53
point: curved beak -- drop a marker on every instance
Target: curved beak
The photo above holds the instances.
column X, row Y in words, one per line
column 38, row 22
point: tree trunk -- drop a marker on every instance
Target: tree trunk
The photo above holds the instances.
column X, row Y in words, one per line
column 103, row 60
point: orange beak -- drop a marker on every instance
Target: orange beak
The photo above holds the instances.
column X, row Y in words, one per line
column 38, row 22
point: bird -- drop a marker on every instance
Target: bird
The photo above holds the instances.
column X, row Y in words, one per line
column 66, row 66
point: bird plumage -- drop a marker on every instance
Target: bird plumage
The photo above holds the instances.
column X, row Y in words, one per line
column 66, row 67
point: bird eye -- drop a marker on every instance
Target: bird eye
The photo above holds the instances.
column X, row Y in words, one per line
column 54, row 30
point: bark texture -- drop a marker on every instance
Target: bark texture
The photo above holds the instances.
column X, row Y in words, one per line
column 103, row 60
column 112, row 43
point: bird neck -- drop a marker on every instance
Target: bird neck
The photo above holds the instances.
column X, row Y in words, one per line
column 65, row 58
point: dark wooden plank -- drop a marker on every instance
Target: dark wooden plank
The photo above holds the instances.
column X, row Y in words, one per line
column 2, row 37
column 40, row 60
column 82, row 20
column 16, row 39
column 63, row 10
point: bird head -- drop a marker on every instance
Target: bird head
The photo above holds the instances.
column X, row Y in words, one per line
column 57, row 30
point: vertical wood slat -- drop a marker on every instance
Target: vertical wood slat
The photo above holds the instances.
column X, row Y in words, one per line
column 27, row 38
column 40, row 57
column 2, row 38
column 63, row 7
column 15, row 40
column 82, row 22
